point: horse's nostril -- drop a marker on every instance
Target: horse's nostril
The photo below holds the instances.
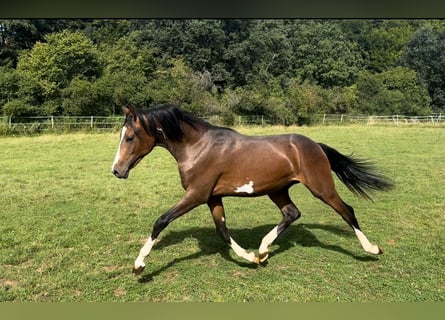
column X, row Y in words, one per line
column 116, row 173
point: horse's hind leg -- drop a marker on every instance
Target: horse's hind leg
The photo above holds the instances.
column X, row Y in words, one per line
column 217, row 210
column 326, row 192
column 290, row 213
column 347, row 213
column 317, row 177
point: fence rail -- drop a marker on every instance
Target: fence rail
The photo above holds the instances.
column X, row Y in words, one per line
column 433, row 119
column 58, row 124
column 17, row 125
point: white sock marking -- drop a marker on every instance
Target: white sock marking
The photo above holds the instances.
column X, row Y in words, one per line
column 145, row 251
column 248, row 188
column 367, row 246
column 268, row 240
column 250, row 256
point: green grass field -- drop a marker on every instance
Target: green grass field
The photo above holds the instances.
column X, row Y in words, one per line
column 70, row 231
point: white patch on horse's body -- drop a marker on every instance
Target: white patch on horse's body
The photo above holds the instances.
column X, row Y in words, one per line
column 145, row 251
column 116, row 158
column 367, row 246
column 247, row 188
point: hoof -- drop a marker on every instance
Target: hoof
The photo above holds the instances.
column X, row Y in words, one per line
column 263, row 257
column 376, row 250
column 138, row 270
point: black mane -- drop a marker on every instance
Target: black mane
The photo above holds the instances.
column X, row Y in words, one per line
column 166, row 120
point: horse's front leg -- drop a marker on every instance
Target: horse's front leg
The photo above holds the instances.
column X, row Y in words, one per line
column 187, row 203
column 217, row 209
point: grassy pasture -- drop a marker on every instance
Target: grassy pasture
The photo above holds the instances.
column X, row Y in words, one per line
column 70, row 231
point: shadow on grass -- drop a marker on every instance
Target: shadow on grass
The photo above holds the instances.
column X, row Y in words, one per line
column 210, row 243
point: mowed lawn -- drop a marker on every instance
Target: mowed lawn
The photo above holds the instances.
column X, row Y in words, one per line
column 70, row 231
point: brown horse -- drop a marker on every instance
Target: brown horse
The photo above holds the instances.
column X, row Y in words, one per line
column 215, row 162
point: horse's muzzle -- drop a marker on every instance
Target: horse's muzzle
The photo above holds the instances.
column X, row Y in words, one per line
column 120, row 175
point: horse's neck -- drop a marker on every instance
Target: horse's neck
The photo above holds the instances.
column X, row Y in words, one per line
column 192, row 139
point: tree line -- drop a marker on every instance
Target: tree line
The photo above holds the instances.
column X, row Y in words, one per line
column 284, row 69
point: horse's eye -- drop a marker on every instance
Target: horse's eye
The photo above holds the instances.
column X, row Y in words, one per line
column 129, row 138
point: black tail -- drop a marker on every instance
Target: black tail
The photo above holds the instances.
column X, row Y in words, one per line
column 357, row 174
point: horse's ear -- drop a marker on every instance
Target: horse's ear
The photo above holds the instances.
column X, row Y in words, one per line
column 129, row 111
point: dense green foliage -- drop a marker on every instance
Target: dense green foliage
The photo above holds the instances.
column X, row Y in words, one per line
column 284, row 69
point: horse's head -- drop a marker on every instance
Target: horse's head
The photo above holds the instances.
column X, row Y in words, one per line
column 135, row 143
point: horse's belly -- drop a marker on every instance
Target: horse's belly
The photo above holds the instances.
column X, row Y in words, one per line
column 255, row 180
